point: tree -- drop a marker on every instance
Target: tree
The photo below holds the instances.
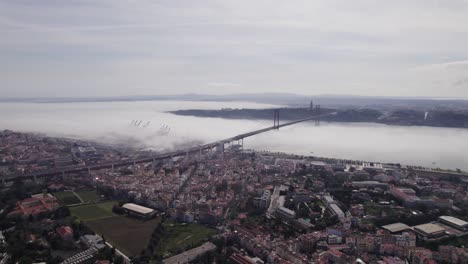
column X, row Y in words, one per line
column 118, row 260
column 54, row 260
column 25, row 260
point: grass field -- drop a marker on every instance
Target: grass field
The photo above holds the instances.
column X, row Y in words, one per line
column 129, row 235
column 93, row 211
column 67, row 198
column 88, row 195
column 178, row 236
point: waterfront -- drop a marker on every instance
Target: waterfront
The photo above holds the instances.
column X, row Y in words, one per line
column 110, row 122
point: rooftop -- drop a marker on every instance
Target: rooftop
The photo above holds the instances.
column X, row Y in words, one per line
column 64, row 230
column 336, row 209
column 190, row 255
column 430, row 228
column 286, row 210
column 396, row 227
column 137, row 208
column 454, row 220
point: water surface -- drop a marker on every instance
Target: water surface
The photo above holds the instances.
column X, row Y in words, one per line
column 110, row 122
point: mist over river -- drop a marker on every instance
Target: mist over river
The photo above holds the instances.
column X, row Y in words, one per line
column 110, row 122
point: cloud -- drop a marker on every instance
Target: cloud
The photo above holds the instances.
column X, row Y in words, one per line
column 223, row 84
column 109, row 47
column 450, row 75
column 461, row 82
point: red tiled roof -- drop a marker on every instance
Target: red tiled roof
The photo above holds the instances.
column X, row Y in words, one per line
column 64, row 231
column 239, row 259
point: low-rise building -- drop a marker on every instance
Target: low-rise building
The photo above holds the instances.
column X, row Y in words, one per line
column 405, row 195
column 301, row 196
column 393, row 260
column 334, row 239
column 405, row 239
column 263, row 201
column 240, row 259
column 429, row 230
column 190, row 255
column 327, row 199
column 207, row 217
column 454, row 222
column 92, row 241
column 336, row 210
column 65, row 232
column 369, row 184
column 139, row 211
column 37, row 204
column 396, row 227
column 285, row 213
column 86, row 256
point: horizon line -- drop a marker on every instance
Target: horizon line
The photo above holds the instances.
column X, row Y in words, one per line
column 219, row 96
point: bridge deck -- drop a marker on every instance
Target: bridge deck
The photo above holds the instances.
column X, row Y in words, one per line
column 177, row 153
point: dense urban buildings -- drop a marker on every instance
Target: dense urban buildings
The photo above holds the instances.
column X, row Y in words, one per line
column 229, row 206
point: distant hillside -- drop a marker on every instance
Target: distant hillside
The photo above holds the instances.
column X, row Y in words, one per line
column 403, row 117
column 285, row 99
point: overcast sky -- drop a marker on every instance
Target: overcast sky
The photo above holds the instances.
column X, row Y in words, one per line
column 109, row 47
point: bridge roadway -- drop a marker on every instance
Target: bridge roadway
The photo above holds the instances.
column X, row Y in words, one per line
column 168, row 155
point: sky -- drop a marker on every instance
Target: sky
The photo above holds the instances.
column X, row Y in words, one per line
column 54, row 48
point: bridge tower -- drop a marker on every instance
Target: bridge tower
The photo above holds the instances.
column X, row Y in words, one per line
column 276, row 118
column 220, row 149
column 311, row 107
column 317, row 112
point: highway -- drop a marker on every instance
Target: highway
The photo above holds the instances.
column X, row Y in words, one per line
column 168, row 155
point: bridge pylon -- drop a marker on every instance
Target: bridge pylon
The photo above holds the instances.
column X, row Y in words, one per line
column 276, row 120
column 220, row 149
column 317, row 112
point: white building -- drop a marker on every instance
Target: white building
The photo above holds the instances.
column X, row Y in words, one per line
column 336, row 210
column 285, row 213
column 138, row 210
column 454, row 222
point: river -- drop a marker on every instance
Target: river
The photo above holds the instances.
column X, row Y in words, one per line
column 111, row 122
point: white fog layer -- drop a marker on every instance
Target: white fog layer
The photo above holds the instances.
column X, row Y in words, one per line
column 111, row 123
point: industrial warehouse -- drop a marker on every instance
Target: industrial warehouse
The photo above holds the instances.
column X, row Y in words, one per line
column 454, row 222
column 396, row 228
column 429, row 230
column 446, row 226
column 139, row 211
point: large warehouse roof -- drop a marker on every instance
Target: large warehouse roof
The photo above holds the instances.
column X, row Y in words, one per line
column 454, row 221
column 137, row 208
column 429, row 228
column 397, row 227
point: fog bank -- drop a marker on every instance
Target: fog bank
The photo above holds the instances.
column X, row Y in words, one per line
column 111, row 122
